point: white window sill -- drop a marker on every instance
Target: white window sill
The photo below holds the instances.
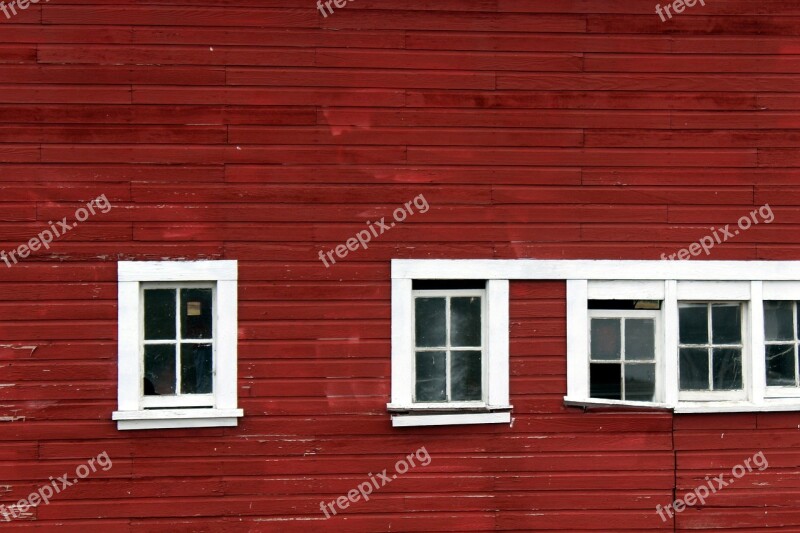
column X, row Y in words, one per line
column 598, row 402
column 772, row 404
column 443, row 416
column 177, row 418
column 739, row 407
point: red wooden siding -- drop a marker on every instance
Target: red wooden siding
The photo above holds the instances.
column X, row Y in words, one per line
column 260, row 131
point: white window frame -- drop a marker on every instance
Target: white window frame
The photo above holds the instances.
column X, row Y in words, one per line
column 781, row 291
column 658, row 342
column 178, row 400
column 135, row 411
column 719, row 395
column 494, row 408
column 751, row 282
column 447, row 294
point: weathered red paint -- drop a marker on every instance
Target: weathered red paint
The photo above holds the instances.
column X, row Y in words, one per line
column 263, row 132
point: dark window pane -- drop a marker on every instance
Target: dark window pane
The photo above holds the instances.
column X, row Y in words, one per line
column 465, row 376
column 196, row 369
column 640, row 336
column 726, row 323
column 694, row 369
column 431, row 377
column 727, row 369
column 159, row 369
column 159, row 314
column 606, row 339
column 605, row 381
column 779, row 321
column 780, row 365
column 465, row 321
column 640, row 382
column 430, row 320
column 693, row 323
column 196, row 314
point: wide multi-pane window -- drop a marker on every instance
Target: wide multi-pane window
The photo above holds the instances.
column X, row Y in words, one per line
column 622, row 355
column 710, row 346
column 178, row 342
column 449, row 346
column 781, row 336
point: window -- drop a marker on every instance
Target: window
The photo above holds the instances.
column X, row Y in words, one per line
column 448, row 334
column 690, row 336
column 710, row 344
column 177, row 344
column 781, row 339
column 622, row 355
column 450, row 352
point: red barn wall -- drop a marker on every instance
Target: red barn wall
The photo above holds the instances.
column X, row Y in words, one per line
column 261, row 131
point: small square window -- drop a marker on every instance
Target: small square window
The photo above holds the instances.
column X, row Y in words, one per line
column 622, row 355
column 448, row 333
column 177, row 344
column 710, row 347
column 782, row 340
column 449, row 352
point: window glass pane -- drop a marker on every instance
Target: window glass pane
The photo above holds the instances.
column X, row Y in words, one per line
column 196, row 314
column 605, row 381
column 726, row 323
column 431, row 377
column 778, row 321
column 430, row 319
column 606, row 339
column 780, row 365
column 727, row 368
column 640, row 382
column 159, row 369
column 694, row 369
column 465, row 321
column 693, row 323
column 196, row 368
column 640, row 339
column 465, row 375
column 159, row 314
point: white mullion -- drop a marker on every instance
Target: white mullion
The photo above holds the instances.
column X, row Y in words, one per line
column 622, row 356
column 754, row 362
column 796, row 345
column 670, row 344
column 447, row 377
column 177, row 341
column 141, row 344
column 710, row 348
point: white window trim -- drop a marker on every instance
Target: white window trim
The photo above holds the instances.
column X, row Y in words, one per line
column 751, row 398
column 757, row 281
column 131, row 412
column 495, row 409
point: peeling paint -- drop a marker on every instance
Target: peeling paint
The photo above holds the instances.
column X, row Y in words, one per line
column 12, row 347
